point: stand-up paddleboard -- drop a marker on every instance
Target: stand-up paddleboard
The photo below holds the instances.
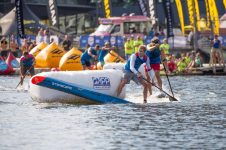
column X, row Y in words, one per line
column 76, row 90
column 100, row 81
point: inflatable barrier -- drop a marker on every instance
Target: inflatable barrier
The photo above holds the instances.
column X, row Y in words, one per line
column 49, row 57
column 113, row 57
column 4, row 67
column 71, row 60
column 37, row 49
column 100, row 81
column 12, row 61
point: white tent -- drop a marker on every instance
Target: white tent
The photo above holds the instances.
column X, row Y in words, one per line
column 8, row 22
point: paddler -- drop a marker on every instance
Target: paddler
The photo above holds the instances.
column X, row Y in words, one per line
column 131, row 71
column 27, row 62
column 155, row 56
column 90, row 53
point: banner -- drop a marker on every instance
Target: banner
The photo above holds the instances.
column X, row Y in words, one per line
column 169, row 17
column 19, row 18
column 214, row 16
column 152, row 11
column 107, row 8
column 143, row 7
column 53, row 13
column 180, row 14
column 224, row 1
column 193, row 9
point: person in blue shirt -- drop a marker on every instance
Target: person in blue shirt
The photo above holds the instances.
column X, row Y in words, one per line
column 131, row 71
column 90, row 53
column 155, row 56
column 103, row 53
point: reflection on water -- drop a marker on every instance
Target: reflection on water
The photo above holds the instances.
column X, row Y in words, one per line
column 198, row 121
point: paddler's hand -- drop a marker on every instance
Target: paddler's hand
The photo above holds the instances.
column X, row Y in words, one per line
column 139, row 75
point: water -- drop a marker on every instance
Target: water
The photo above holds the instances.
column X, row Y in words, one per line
column 198, row 121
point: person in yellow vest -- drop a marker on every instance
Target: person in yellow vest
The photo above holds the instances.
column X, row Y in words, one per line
column 128, row 48
column 132, row 42
column 165, row 47
column 181, row 66
column 137, row 43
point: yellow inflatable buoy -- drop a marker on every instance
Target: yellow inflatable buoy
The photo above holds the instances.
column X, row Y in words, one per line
column 113, row 57
column 71, row 60
column 49, row 57
column 37, row 49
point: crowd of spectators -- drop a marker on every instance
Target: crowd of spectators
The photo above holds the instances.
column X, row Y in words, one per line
column 11, row 44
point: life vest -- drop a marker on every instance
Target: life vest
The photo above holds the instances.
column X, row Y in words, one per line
column 154, row 56
column 138, row 62
column 27, row 62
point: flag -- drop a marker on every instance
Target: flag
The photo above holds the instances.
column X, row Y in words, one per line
column 169, row 17
column 19, row 18
column 53, row 13
column 143, row 7
column 152, row 12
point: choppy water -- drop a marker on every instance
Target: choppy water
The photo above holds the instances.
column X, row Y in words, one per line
column 198, row 121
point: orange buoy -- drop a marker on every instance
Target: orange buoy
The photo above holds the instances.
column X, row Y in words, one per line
column 37, row 49
column 71, row 60
column 49, row 57
column 112, row 56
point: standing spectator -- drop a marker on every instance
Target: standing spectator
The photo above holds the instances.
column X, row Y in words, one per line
column 4, row 48
column 14, row 47
column 137, row 43
column 40, row 36
column 215, row 50
column 29, row 42
column 33, row 44
column 46, row 36
column 165, row 47
column 66, row 43
column 24, row 47
column 128, row 48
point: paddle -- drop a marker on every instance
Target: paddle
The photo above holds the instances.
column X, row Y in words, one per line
column 22, row 79
column 171, row 98
column 168, row 79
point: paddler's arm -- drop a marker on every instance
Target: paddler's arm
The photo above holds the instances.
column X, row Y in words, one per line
column 152, row 46
column 90, row 53
column 132, row 63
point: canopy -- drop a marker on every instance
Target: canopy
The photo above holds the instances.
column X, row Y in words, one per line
column 8, row 22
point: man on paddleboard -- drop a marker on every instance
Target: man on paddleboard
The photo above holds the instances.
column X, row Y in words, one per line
column 27, row 62
column 131, row 71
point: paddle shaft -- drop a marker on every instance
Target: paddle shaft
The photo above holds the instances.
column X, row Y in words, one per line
column 168, row 79
column 160, row 89
column 22, row 79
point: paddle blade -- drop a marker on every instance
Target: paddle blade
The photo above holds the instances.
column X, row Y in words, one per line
column 172, row 99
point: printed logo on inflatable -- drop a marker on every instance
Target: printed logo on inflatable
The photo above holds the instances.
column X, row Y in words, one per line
column 56, row 51
column 3, row 66
column 74, row 57
column 15, row 63
column 101, row 83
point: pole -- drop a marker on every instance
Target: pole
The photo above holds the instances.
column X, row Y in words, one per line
column 195, row 27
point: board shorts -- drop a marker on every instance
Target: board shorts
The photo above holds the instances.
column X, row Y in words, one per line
column 128, row 76
column 86, row 63
column 25, row 70
column 155, row 67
